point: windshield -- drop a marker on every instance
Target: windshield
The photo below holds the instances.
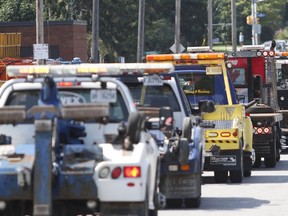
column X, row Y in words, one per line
column 154, row 96
column 117, row 112
column 199, row 86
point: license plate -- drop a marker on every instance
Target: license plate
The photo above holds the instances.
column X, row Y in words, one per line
column 213, row 70
column 227, row 160
column 103, row 95
column 153, row 80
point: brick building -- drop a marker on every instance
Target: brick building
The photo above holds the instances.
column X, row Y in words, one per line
column 66, row 39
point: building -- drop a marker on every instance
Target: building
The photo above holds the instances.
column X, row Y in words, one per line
column 66, row 39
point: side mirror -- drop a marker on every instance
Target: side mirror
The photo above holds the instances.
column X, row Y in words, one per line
column 257, row 86
column 206, row 106
column 166, row 119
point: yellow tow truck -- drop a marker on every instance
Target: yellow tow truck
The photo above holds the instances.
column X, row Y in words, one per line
column 228, row 131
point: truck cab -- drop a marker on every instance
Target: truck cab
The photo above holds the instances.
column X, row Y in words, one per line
column 228, row 132
column 253, row 73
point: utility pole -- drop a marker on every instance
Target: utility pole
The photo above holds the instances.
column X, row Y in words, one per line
column 39, row 26
column 254, row 20
column 233, row 26
column 177, row 25
column 95, row 32
column 210, row 22
column 141, row 18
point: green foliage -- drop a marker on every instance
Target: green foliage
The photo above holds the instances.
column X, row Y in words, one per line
column 119, row 21
column 17, row 10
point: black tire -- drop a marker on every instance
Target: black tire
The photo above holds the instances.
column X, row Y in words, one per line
column 257, row 162
column 187, row 129
column 174, row 203
column 278, row 153
column 183, row 151
column 271, row 161
column 134, row 126
column 236, row 176
column 247, row 173
column 221, row 176
column 192, row 202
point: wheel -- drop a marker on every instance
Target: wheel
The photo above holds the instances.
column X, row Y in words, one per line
column 174, row 203
column 134, row 126
column 247, row 173
column 221, row 176
column 236, row 176
column 187, row 129
column 270, row 162
column 192, row 202
column 278, row 151
column 257, row 162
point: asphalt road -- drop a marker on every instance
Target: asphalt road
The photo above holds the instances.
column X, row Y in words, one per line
column 265, row 193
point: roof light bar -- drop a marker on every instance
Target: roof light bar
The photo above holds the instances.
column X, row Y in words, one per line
column 252, row 47
column 88, row 69
column 283, row 54
column 184, row 57
column 199, row 49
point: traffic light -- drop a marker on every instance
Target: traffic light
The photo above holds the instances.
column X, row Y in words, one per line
column 249, row 20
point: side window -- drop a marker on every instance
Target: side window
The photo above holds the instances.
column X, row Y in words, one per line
column 27, row 98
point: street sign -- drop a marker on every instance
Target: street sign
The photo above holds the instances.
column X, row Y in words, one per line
column 173, row 48
column 40, row 51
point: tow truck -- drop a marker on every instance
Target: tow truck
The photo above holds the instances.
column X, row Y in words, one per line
column 103, row 159
column 228, row 132
column 253, row 73
column 181, row 147
column 281, row 59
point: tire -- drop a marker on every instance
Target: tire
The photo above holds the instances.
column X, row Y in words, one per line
column 174, row 203
column 247, row 173
column 270, row 162
column 278, row 153
column 236, row 176
column 187, row 129
column 192, row 202
column 221, row 176
column 134, row 126
column 257, row 162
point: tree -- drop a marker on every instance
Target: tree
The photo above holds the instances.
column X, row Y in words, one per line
column 17, row 10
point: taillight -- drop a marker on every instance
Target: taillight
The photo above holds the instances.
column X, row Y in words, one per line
column 116, row 172
column 262, row 130
column 132, row 172
column 67, row 84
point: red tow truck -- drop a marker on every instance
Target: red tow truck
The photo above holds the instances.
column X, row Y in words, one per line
column 253, row 72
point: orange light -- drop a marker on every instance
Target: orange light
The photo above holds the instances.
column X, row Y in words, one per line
column 65, row 84
column 281, row 54
column 132, row 172
column 185, row 167
column 211, row 56
column 184, row 57
column 225, row 134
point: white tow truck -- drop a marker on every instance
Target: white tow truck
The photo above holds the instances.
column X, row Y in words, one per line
column 121, row 180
